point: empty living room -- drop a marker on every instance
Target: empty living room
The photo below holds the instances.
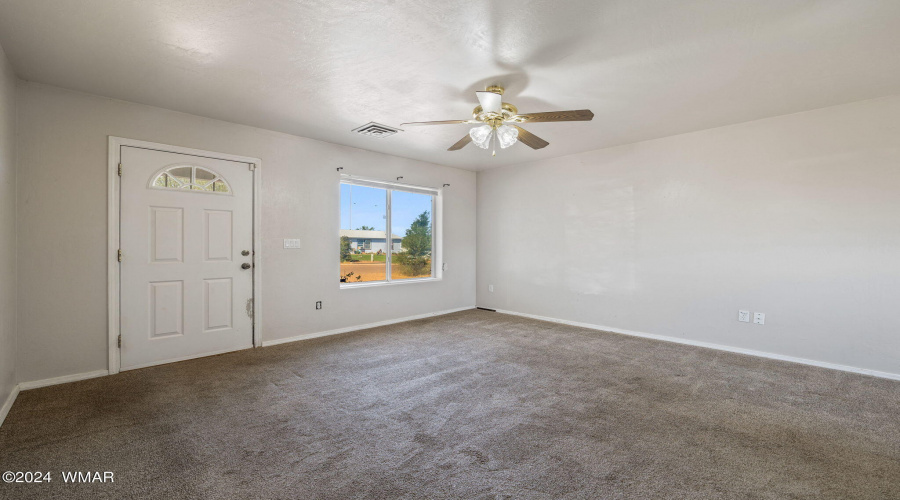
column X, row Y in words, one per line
column 587, row 249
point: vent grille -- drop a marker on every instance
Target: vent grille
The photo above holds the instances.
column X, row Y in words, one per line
column 373, row 129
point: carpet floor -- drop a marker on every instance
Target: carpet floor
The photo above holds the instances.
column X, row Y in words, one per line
column 468, row 405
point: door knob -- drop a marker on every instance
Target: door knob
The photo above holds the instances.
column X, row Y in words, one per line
column 245, row 252
column 246, row 265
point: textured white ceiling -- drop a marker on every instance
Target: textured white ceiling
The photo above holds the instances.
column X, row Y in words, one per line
column 321, row 68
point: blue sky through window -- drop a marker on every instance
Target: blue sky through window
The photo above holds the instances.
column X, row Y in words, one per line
column 405, row 208
column 362, row 206
column 365, row 206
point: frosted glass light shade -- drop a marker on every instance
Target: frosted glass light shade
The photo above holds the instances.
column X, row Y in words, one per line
column 507, row 136
column 481, row 136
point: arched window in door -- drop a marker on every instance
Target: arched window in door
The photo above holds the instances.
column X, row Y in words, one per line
column 190, row 178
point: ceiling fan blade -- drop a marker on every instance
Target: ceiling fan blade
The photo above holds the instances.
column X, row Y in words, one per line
column 530, row 140
column 490, row 101
column 578, row 115
column 460, row 143
column 445, row 122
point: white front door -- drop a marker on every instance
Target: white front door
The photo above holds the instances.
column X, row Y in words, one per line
column 186, row 236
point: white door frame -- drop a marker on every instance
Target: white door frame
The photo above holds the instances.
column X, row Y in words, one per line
column 113, row 269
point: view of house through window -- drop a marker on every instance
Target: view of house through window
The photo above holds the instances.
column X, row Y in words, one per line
column 363, row 245
column 369, row 251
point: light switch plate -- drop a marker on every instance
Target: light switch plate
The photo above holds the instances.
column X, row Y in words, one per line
column 759, row 318
column 291, row 243
column 744, row 316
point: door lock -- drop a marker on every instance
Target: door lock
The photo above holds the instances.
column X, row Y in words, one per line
column 246, row 265
column 245, row 252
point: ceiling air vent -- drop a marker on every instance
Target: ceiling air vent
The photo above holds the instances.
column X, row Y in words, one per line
column 376, row 130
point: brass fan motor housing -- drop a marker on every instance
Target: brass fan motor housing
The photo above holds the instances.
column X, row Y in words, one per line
column 507, row 111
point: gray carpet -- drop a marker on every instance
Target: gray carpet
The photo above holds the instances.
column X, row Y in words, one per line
column 469, row 405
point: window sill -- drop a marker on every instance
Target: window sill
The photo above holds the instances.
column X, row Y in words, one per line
column 369, row 284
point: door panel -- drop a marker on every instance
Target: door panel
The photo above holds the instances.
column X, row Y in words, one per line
column 217, row 231
column 183, row 291
column 166, row 309
column 166, row 234
column 217, row 302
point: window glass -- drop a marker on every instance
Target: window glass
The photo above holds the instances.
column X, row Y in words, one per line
column 411, row 223
column 190, row 178
column 181, row 175
column 362, row 233
column 386, row 233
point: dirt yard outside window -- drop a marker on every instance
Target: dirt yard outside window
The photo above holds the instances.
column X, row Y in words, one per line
column 375, row 271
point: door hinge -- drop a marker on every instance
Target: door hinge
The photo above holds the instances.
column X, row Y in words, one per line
column 252, row 166
column 119, row 341
column 120, row 255
column 120, row 170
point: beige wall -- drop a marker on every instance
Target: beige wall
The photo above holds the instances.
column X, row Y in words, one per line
column 63, row 209
column 795, row 216
column 7, row 230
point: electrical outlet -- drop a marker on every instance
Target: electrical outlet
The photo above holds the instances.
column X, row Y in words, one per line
column 318, row 304
column 744, row 316
column 759, row 318
column 490, row 288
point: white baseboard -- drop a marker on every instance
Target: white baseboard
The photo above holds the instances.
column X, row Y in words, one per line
column 348, row 329
column 7, row 405
column 708, row 345
column 24, row 386
column 34, row 384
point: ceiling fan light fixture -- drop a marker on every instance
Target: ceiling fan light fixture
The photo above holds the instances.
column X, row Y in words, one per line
column 493, row 113
column 481, row 136
column 507, row 136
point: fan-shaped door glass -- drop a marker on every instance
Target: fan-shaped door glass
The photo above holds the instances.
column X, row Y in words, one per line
column 190, row 178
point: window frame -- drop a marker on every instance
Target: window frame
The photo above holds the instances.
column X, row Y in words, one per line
column 436, row 249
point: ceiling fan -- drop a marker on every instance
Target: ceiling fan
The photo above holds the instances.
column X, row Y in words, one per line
column 499, row 122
